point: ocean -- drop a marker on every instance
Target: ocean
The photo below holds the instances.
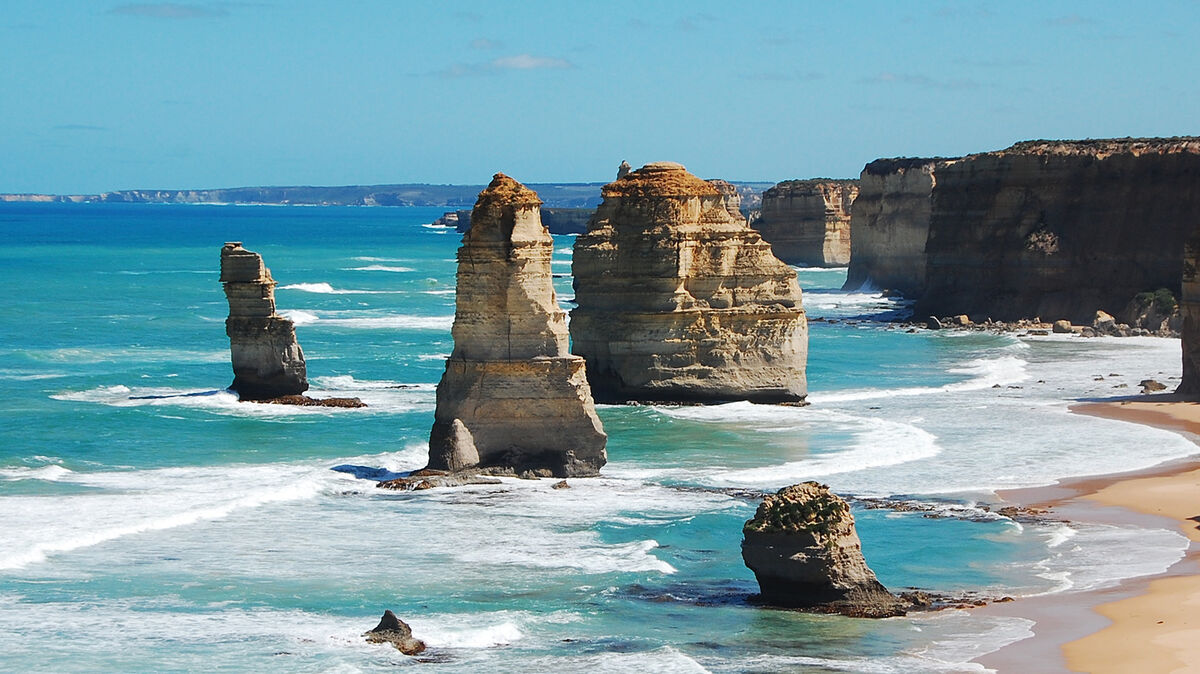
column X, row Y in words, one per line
column 150, row 522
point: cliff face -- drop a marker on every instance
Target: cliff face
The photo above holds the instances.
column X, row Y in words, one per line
column 267, row 360
column 512, row 396
column 1189, row 309
column 1060, row 229
column 679, row 300
column 804, row 551
column 556, row 220
column 807, row 222
column 890, row 221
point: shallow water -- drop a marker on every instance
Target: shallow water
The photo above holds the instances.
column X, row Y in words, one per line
column 150, row 521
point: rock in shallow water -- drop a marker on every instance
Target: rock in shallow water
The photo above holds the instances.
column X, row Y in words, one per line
column 394, row 631
column 802, row 547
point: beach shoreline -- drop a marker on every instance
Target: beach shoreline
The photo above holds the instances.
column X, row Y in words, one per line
column 1092, row 631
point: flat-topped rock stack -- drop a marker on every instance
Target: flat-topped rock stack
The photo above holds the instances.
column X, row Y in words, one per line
column 267, row 360
column 807, row 222
column 512, row 396
column 803, row 549
column 679, row 300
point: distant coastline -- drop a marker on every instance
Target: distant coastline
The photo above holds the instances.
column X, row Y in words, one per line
column 557, row 195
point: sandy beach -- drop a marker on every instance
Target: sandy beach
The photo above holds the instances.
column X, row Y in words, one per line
column 1145, row 625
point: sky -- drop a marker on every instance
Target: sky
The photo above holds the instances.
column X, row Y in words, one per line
column 101, row 95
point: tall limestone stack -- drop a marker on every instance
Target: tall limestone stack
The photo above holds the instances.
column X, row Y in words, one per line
column 733, row 198
column 804, row 551
column 679, row 300
column 890, row 221
column 267, row 360
column 512, row 396
column 1189, row 309
column 807, row 222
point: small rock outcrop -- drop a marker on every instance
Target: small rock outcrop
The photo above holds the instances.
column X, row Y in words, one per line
column 267, row 360
column 394, row 631
column 802, row 547
column 679, row 300
column 807, row 222
column 512, row 396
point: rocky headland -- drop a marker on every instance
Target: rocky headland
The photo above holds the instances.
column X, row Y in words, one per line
column 679, row 300
column 512, row 398
column 807, row 222
column 803, row 549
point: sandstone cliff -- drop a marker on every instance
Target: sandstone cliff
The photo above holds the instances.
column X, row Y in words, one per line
column 807, row 222
column 512, row 396
column 804, row 551
column 679, row 300
column 267, row 360
column 1060, row 229
column 890, row 222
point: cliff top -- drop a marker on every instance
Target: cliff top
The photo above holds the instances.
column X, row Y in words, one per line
column 1105, row 146
column 805, row 507
column 811, row 183
column 659, row 179
column 504, row 191
column 881, row 167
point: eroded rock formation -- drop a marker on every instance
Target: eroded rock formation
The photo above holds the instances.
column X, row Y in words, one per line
column 890, row 222
column 267, row 360
column 394, row 631
column 512, row 396
column 807, row 222
column 729, row 191
column 679, row 300
column 804, row 551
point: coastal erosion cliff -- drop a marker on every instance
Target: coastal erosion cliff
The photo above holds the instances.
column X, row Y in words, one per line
column 807, row 222
column 679, row 300
column 512, row 396
column 1057, row 229
column 1189, row 309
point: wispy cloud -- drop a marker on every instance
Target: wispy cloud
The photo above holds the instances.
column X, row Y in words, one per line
column 505, row 63
column 79, row 127
column 777, row 76
column 484, row 44
column 694, row 22
column 921, row 81
column 1071, row 20
column 171, row 10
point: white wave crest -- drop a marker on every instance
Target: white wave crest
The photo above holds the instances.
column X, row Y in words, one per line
column 326, row 289
column 51, row 473
column 986, row 373
column 380, row 267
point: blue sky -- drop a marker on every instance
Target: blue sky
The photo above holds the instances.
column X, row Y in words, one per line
column 103, row 95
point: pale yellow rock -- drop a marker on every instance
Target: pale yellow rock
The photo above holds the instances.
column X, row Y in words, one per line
column 679, row 300
column 807, row 222
column 512, row 396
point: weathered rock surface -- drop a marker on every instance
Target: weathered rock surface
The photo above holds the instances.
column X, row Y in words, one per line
column 394, row 631
column 1189, row 310
column 267, row 360
column 556, row 220
column 512, row 396
column 890, row 222
column 1061, row 228
column 802, row 547
column 729, row 191
column 679, row 300
column 807, row 222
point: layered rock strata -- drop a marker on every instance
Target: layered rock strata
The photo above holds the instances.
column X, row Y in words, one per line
column 1060, row 229
column 512, row 396
column 267, row 360
column 807, row 222
column 679, row 300
column 890, row 222
column 805, row 553
column 729, row 191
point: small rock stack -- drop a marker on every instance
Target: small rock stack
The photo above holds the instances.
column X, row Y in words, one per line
column 267, row 360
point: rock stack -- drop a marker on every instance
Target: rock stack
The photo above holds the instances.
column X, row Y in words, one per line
column 802, row 547
column 807, row 222
column 267, row 360
column 679, row 300
column 512, row 397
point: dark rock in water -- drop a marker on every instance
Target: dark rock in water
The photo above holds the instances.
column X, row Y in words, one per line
column 420, row 482
column 305, row 401
column 394, row 631
column 561, row 484
column 803, row 549
column 267, row 360
column 1150, row 386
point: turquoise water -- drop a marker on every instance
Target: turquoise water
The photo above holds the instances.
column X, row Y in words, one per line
column 149, row 521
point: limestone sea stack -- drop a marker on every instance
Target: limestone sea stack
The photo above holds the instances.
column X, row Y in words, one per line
column 512, row 397
column 267, row 360
column 807, row 222
column 680, row 301
column 802, row 547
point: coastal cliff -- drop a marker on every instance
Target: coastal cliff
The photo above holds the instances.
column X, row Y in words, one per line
column 807, row 222
column 1189, row 309
column 679, row 300
column 267, row 360
column 890, row 222
column 512, row 396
